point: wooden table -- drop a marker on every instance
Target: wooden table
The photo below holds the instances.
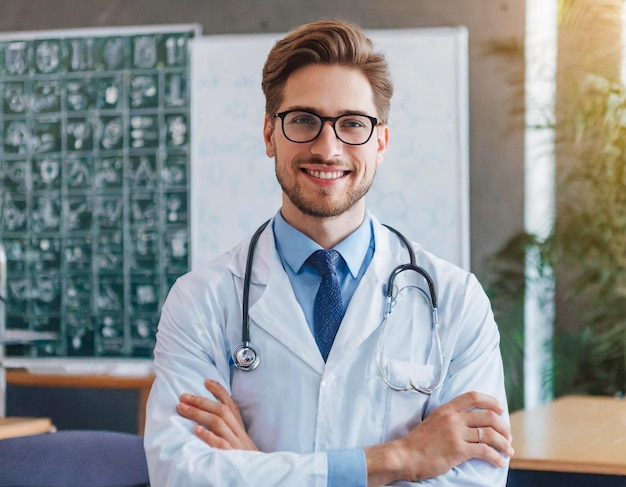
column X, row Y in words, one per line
column 141, row 383
column 579, row 434
column 13, row 426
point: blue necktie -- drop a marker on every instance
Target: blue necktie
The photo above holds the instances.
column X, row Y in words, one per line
column 328, row 309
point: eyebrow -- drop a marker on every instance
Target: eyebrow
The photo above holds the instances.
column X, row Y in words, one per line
column 304, row 108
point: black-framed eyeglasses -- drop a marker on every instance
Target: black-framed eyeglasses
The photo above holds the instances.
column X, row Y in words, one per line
column 302, row 126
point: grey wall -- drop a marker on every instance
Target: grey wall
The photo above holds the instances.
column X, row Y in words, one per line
column 496, row 133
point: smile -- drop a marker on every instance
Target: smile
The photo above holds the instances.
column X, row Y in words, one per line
column 325, row 174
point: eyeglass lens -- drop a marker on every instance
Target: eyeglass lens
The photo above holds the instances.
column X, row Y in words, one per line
column 304, row 127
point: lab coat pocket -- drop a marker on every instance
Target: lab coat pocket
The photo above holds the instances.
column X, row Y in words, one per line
column 402, row 373
column 405, row 409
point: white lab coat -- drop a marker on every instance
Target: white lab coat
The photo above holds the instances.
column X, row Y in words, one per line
column 295, row 406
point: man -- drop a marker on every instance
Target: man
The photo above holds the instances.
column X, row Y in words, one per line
column 315, row 410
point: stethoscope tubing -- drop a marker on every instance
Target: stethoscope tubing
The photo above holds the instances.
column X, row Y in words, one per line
column 245, row 331
column 410, row 386
column 246, row 358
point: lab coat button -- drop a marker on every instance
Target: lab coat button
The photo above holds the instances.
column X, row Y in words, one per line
column 328, row 380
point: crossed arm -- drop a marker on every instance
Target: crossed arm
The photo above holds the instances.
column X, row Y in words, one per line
column 467, row 427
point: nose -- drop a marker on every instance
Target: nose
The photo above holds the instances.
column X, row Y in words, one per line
column 327, row 145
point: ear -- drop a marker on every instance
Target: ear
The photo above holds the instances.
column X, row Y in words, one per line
column 382, row 137
column 268, row 135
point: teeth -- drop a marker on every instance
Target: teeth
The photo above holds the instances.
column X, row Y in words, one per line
column 326, row 175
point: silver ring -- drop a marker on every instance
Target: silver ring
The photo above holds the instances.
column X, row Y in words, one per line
column 479, row 431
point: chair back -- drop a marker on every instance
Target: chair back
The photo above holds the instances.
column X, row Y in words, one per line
column 73, row 459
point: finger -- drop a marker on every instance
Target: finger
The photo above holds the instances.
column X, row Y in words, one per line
column 205, row 411
column 214, row 407
column 215, row 422
column 199, row 402
column 489, row 436
column 189, row 411
column 487, row 453
column 495, row 440
column 475, row 435
column 223, row 419
column 224, row 397
column 211, row 438
column 238, row 428
column 218, row 390
column 488, row 418
column 200, row 405
column 473, row 399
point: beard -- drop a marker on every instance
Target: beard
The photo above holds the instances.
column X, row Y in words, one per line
column 320, row 204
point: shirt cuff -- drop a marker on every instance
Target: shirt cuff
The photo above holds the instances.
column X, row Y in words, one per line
column 347, row 468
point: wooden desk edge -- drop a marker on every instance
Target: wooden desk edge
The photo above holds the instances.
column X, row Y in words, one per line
column 11, row 427
column 25, row 378
column 564, row 466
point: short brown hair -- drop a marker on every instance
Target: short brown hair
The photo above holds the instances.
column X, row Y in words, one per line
column 326, row 42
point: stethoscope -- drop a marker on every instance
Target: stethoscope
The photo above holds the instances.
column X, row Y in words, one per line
column 246, row 358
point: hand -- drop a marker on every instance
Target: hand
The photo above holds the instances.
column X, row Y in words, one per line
column 219, row 422
column 447, row 437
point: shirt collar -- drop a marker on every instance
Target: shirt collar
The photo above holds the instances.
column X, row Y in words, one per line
column 295, row 247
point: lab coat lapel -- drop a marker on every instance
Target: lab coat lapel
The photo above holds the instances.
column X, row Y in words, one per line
column 277, row 311
column 365, row 312
column 362, row 317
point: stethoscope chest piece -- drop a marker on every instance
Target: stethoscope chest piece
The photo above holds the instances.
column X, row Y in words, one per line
column 246, row 358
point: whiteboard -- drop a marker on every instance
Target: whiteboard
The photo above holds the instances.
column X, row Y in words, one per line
column 422, row 186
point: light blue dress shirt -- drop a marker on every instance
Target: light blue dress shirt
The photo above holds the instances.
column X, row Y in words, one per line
column 346, row 468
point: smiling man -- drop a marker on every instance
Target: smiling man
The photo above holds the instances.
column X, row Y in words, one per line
column 272, row 367
column 325, row 165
